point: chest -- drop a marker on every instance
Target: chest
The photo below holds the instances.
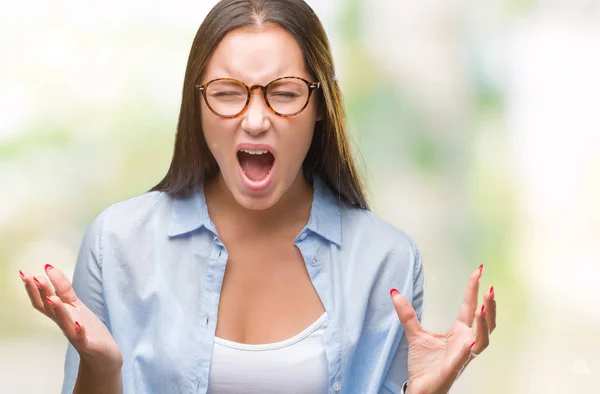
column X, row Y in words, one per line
column 164, row 319
column 267, row 294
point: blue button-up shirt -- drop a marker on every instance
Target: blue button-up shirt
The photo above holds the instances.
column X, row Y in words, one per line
column 151, row 268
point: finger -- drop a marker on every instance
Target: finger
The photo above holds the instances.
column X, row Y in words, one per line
column 79, row 338
column 45, row 291
column 406, row 314
column 64, row 319
column 489, row 300
column 73, row 330
column 467, row 309
column 62, row 285
column 34, row 293
column 460, row 361
column 482, row 333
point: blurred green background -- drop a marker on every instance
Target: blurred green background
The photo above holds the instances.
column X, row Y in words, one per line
column 476, row 124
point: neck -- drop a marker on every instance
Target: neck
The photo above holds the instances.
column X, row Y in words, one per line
column 292, row 208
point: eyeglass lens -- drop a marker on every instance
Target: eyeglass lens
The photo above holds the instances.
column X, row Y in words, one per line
column 286, row 96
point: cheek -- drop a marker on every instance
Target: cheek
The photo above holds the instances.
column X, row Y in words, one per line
column 217, row 135
column 297, row 140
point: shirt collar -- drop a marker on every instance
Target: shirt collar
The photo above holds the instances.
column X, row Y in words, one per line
column 325, row 214
column 191, row 213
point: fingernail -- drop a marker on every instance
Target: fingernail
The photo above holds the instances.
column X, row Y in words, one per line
column 393, row 292
column 22, row 275
column 482, row 309
column 47, row 267
column 492, row 291
column 49, row 301
column 473, row 344
column 77, row 326
column 480, row 269
column 37, row 282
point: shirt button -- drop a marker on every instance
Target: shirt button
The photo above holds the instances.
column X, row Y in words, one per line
column 337, row 386
column 302, row 236
column 314, row 262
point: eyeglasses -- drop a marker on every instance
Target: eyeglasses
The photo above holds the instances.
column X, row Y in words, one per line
column 285, row 96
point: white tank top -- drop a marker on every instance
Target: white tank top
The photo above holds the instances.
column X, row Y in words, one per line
column 294, row 366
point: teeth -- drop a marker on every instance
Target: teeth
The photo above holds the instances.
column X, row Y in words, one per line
column 254, row 152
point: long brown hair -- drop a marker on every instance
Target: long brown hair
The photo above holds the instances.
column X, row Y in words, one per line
column 329, row 155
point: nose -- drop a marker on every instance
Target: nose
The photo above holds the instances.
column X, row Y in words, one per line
column 255, row 119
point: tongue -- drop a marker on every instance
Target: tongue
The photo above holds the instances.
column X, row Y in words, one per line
column 256, row 167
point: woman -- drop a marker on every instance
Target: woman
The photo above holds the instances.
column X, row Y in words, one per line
column 255, row 265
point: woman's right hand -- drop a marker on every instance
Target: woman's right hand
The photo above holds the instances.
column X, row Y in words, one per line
column 86, row 332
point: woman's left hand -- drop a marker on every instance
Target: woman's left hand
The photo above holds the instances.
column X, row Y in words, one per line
column 435, row 360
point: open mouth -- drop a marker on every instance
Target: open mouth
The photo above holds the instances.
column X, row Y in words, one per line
column 255, row 164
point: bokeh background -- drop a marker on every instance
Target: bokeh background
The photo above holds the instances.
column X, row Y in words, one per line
column 478, row 128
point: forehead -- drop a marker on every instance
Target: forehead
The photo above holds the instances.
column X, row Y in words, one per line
column 257, row 56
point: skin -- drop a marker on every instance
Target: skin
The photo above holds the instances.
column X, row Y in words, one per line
column 259, row 228
column 258, row 57
column 436, row 360
column 256, row 283
column 101, row 359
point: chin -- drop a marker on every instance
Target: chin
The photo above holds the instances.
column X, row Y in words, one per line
column 257, row 200
column 256, row 180
column 253, row 180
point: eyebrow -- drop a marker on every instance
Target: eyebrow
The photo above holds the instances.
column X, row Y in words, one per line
column 226, row 72
column 308, row 78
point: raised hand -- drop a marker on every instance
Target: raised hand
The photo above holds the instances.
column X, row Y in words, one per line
column 435, row 360
column 86, row 332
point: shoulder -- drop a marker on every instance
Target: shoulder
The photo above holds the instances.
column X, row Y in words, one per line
column 384, row 254
column 369, row 229
column 134, row 215
column 141, row 205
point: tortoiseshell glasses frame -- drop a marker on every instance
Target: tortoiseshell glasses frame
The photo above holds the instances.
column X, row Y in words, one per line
column 310, row 85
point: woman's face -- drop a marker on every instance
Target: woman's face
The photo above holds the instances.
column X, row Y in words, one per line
column 259, row 153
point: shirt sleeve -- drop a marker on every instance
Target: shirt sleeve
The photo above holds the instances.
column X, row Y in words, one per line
column 398, row 372
column 87, row 283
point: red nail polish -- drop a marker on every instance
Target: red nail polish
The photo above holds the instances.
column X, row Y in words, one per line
column 480, row 268
column 47, row 267
column 471, row 347
column 22, row 274
column 77, row 326
column 393, row 292
column 482, row 309
column 492, row 291
column 49, row 300
column 37, row 282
